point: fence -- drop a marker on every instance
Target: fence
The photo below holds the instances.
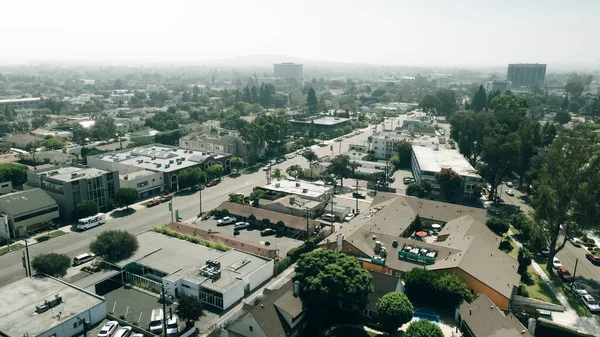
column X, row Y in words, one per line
column 143, row 282
column 520, row 300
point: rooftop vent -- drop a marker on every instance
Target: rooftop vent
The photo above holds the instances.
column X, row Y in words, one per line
column 304, row 190
column 297, row 184
column 48, row 304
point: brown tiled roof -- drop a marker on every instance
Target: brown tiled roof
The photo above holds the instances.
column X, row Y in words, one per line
column 484, row 319
column 290, row 221
column 228, row 240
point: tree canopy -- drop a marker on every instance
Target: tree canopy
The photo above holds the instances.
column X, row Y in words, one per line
column 393, row 310
column 52, row 143
column 126, row 196
column 311, row 100
column 341, row 167
column 190, row 177
column 52, row 264
column 188, row 308
column 450, row 182
column 446, row 290
column 86, row 208
column 215, row 171
column 15, row 173
column 423, row 328
column 114, row 245
column 104, row 129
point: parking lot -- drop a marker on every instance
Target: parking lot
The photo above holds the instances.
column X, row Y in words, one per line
column 398, row 183
column 283, row 243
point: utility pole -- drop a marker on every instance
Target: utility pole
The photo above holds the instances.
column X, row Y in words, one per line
column 171, row 209
column 27, row 253
column 332, row 215
column 356, row 197
column 340, row 150
column 200, row 201
column 24, row 260
column 85, row 325
column 574, row 271
column 164, row 311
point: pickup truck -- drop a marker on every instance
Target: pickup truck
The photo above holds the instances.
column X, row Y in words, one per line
column 228, row 220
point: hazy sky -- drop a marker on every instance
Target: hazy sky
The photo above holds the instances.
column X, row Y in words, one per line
column 419, row 32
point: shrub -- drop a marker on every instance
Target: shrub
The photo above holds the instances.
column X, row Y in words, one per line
column 446, row 290
column 52, row 264
column 393, row 310
column 523, row 291
column 497, row 226
column 282, row 265
column 506, row 246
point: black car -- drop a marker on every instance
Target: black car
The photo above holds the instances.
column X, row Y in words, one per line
column 358, row 195
column 267, row 232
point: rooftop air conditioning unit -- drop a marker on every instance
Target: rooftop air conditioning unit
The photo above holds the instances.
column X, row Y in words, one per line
column 167, row 165
column 297, row 184
column 171, row 161
column 126, row 177
column 304, row 190
column 277, row 185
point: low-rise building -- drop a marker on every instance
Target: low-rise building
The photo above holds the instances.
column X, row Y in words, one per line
column 147, row 183
column 229, row 144
column 306, row 190
column 25, row 210
column 22, row 140
column 21, row 103
column 70, row 185
column 482, row 318
column 460, row 243
column 158, row 158
column 321, row 124
column 277, row 312
column 6, row 187
column 426, row 162
column 143, row 136
column 497, row 85
column 220, row 279
column 44, row 306
column 292, row 205
column 383, row 144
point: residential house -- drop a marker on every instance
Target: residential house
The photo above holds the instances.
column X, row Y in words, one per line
column 229, row 144
column 482, row 318
column 22, row 140
column 143, row 136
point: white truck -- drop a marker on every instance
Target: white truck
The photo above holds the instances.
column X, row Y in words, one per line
column 91, row 221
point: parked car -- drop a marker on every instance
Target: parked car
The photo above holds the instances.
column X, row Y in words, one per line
column 228, row 220
column 172, row 327
column 545, row 252
column 510, row 193
column 267, row 232
column 575, row 241
column 348, row 217
column 108, row 329
column 564, row 274
column 83, row 258
column 578, row 289
column 212, row 183
column 266, row 168
column 556, row 263
column 153, row 202
column 166, row 198
column 408, row 180
column 241, row 225
column 206, row 216
column 509, row 184
column 280, row 160
column 590, row 303
column 123, row 332
column 358, row 195
column 594, row 259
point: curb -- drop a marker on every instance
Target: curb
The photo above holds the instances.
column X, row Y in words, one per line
column 29, row 244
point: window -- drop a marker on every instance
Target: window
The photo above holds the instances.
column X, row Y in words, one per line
column 251, row 328
column 35, row 214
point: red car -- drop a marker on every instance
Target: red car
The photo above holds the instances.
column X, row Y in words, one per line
column 593, row 258
column 212, row 183
column 153, row 202
column 166, row 198
column 564, row 274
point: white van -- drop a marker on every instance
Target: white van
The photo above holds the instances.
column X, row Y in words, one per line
column 156, row 321
column 91, row 221
column 83, row 258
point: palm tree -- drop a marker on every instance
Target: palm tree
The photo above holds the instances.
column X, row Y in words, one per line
column 277, row 174
column 311, row 157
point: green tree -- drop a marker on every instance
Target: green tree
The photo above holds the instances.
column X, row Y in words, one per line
column 574, row 89
column 322, row 137
column 341, row 167
column 326, row 277
column 190, row 177
column 423, row 328
column 312, row 158
column 126, row 196
column 394, row 310
column 15, row 173
column 52, row 264
column 237, row 162
column 104, row 129
column 114, row 245
column 524, row 259
column 277, row 174
column 447, row 102
column 52, row 143
column 420, row 190
column 311, row 100
column 395, row 160
column 497, row 226
column 294, row 171
column 450, row 182
column 215, row 171
column 522, row 223
column 446, row 290
column 188, row 308
column 500, row 152
column 404, row 150
column 468, row 130
column 430, row 103
column 80, row 134
column 479, row 100
column 562, row 117
column 417, row 224
column 280, row 226
column 8, row 113
column 86, row 208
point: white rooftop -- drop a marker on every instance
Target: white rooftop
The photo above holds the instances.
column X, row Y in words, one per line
column 298, row 187
column 325, row 120
column 432, row 160
column 18, row 301
column 70, row 173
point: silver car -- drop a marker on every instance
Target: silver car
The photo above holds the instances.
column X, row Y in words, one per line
column 590, row 303
column 579, row 289
column 108, row 329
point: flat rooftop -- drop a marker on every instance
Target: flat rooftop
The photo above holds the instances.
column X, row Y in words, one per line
column 15, row 100
column 433, row 160
column 182, row 259
column 71, row 173
column 159, row 158
column 298, row 187
column 18, row 300
column 324, row 121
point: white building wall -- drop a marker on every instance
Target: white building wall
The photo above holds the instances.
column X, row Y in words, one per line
column 72, row 326
column 242, row 327
column 233, row 294
column 259, row 276
column 142, row 183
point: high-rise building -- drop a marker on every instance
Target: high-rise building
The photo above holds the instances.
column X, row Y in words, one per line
column 288, row 71
column 529, row 75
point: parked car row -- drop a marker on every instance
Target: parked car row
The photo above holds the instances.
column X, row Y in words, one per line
column 112, row 329
column 156, row 324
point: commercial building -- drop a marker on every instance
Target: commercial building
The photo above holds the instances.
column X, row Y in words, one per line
column 158, row 158
column 70, row 185
column 306, row 190
column 21, row 103
column 457, row 242
column 321, row 124
column 482, row 318
column 497, row 86
column 44, row 306
column 292, row 204
column 21, row 140
column 288, row 71
column 147, row 183
column 220, row 279
column 426, row 162
column 277, row 312
column 25, row 210
column 529, row 75
column 143, row 136
column 229, row 144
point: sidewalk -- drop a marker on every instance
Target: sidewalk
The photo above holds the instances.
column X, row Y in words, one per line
column 20, row 244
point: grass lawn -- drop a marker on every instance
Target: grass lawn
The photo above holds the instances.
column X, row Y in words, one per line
column 351, row 332
column 56, row 233
column 538, row 289
column 14, row 246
